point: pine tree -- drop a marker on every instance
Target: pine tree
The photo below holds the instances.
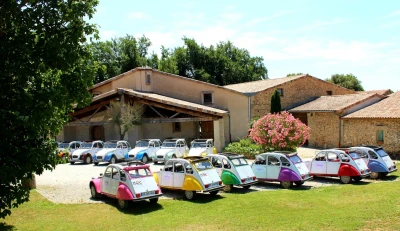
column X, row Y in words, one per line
column 276, row 102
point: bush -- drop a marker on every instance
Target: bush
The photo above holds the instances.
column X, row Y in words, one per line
column 279, row 131
column 245, row 147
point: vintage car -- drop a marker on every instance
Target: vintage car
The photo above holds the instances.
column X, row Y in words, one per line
column 201, row 147
column 65, row 148
column 113, row 151
column 144, row 150
column 86, row 151
column 345, row 164
column 285, row 167
column 378, row 161
column 233, row 169
column 191, row 174
column 171, row 148
column 126, row 182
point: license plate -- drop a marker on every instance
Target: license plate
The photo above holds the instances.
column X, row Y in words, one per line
column 248, row 179
column 215, row 184
column 147, row 193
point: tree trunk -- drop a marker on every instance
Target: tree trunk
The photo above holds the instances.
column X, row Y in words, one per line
column 29, row 182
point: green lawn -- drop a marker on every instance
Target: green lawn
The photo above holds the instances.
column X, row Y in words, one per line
column 365, row 206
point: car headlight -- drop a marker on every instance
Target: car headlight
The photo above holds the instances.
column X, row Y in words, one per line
column 203, row 154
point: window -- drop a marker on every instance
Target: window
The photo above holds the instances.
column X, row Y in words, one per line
column 208, row 98
column 227, row 165
column 380, row 137
column 280, row 90
column 320, row 157
column 373, row 155
column 239, row 161
column 285, row 162
column 332, row 157
column 329, row 92
column 148, row 79
column 216, row 162
column 362, row 154
column 176, row 127
column 178, row 167
column 115, row 174
column 168, row 166
column 188, row 167
column 272, row 160
column 108, row 172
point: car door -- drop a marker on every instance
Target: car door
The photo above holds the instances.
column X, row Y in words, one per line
column 318, row 165
column 124, row 150
column 180, row 149
column 217, row 163
column 166, row 175
column 106, row 180
column 179, row 175
column 97, row 146
column 119, row 150
column 273, row 167
column 151, row 149
column 364, row 155
column 114, row 181
column 259, row 167
column 333, row 163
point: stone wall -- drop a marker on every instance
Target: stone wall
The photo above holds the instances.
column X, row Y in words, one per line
column 324, row 130
column 364, row 131
column 294, row 92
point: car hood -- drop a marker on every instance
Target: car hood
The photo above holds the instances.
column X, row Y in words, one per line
column 137, row 150
column 197, row 151
column 164, row 151
column 104, row 151
column 80, row 151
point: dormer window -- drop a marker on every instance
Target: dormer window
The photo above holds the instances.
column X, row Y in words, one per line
column 207, row 98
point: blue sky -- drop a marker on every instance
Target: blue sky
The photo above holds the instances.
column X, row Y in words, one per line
column 318, row 37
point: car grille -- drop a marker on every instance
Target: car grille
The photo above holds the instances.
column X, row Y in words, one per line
column 131, row 155
column 99, row 157
column 74, row 156
column 160, row 157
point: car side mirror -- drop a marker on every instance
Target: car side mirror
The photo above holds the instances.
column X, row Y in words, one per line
column 101, row 174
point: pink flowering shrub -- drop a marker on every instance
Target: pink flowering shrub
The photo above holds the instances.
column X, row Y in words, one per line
column 280, row 131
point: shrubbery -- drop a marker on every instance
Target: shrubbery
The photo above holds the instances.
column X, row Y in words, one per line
column 245, row 147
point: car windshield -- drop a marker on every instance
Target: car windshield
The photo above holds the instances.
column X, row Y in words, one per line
column 168, row 144
column 139, row 173
column 142, row 143
column 295, row 159
column 199, row 145
column 110, row 145
column 239, row 161
column 63, row 145
column 354, row 155
column 381, row 152
column 203, row 165
column 86, row 145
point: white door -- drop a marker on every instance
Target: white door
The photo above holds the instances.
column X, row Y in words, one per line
column 333, row 163
column 273, row 167
column 179, row 175
column 114, row 182
column 318, row 165
column 150, row 150
column 106, row 180
column 217, row 163
column 167, row 175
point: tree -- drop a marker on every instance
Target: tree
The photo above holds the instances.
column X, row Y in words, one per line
column 46, row 68
column 279, row 131
column 294, row 74
column 125, row 116
column 348, row 81
column 276, row 102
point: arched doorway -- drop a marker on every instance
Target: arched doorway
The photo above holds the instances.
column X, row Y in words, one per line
column 97, row 132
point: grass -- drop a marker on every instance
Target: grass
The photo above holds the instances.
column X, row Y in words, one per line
column 362, row 206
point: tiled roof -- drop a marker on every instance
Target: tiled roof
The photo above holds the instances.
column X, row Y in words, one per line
column 333, row 103
column 260, row 85
column 379, row 92
column 386, row 108
column 165, row 100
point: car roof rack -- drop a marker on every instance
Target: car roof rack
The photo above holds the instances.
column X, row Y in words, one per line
column 132, row 163
column 231, row 155
column 195, row 158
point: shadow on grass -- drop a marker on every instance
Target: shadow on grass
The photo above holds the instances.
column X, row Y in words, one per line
column 135, row 208
column 200, row 198
column 5, row 227
column 388, row 178
column 268, row 185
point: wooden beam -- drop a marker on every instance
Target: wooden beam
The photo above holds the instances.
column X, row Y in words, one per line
column 176, row 109
column 158, row 113
column 171, row 120
column 94, row 113
column 86, row 123
column 90, row 108
column 175, row 115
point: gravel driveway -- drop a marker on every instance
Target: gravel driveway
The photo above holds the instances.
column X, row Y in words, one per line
column 69, row 184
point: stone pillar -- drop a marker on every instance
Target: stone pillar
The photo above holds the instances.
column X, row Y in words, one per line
column 219, row 135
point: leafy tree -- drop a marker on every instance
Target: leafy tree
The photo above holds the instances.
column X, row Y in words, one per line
column 348, row 81
column 279, row 131
column 45, row 68
column 276, row 102
column 294, row 74
column 125, row 116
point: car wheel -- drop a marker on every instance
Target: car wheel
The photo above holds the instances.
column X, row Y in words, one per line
column 72, row 162
column 345, row 179
column 113, row 160
column 145, row 159
column 123, row 204
column 155, row 162
column 96, row 163
column 154, row 200
column 88, row 159
column 247, row 187
column 228, row 187
column 357, row 178
column 190, row 195
column 214, row 192
column 286, row 184
column 299, row 183
column 374, row 175
column 93, row 192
